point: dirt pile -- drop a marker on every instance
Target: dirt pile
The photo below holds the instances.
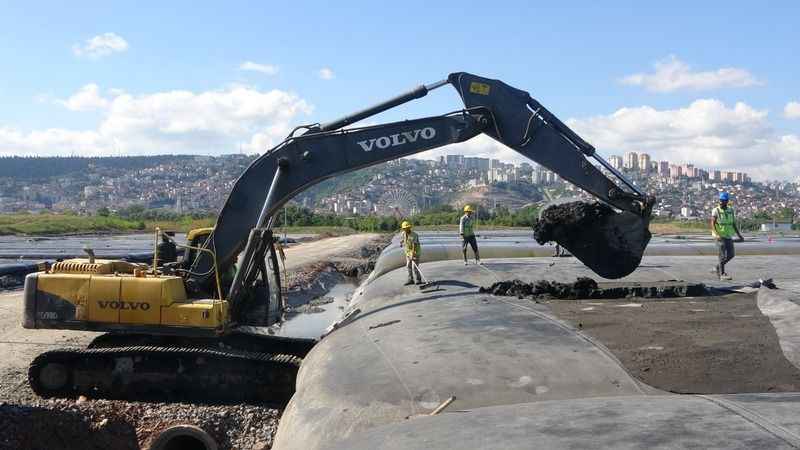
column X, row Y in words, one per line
column 103, row 424
column 587, row 288
column 609, row 243
column 711, row 345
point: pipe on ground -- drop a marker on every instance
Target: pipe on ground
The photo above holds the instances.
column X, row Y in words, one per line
column 183, row 437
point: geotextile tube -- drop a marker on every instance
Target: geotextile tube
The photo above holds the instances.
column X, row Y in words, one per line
column 608, row 242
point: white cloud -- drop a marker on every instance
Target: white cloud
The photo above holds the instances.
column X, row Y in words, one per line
column 481, row 146
column 53, row 141
column 326, row 73
column 792, row 110
column 210, row 122
column 100, row 45
column 266, row 69
column 672, row 74
column 706, row 133
column 115, row 92
column 86, row 99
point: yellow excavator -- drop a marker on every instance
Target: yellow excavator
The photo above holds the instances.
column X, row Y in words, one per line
column 198, row 328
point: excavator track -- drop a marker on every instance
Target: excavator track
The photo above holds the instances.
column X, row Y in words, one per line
column 165, row 374
column 255, row 339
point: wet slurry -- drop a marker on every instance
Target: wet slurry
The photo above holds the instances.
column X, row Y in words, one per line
column 587, row 288
column 609, row 243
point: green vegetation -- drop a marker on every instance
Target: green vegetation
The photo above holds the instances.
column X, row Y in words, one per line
column 702, row 226
column 499, row 217
column 64, row 224
column 301, row 220
column 440, row 216
column 129, row 220
column 678, row 227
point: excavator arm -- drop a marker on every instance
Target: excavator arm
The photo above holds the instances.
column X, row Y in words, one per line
column 523, row 124
column 502, row 112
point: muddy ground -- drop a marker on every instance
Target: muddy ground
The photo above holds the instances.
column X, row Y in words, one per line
column 588, row 288
column 313, row 279
column 717, row 344
column 28, row 422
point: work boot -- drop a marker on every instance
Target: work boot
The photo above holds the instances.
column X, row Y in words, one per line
column 465, row 262
column 478, row 262
column 409, row 282
column 725, row 277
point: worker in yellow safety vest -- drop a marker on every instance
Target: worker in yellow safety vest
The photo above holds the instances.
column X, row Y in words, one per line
column 410, row 242
column 723, row 227
column 466, row 228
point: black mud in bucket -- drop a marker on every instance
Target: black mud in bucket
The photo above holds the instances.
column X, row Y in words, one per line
column 608, row 242
column 183, row 437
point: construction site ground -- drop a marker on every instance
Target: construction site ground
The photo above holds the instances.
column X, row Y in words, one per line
column 27, row 421
column 715, row 344
column 718, row 344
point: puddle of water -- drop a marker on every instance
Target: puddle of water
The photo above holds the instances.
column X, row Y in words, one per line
column 313, row 325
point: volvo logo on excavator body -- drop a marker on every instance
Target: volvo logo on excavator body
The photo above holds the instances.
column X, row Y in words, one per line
column 133, row 306
column 394, row 140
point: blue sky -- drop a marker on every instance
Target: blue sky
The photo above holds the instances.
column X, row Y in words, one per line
column 704, row 82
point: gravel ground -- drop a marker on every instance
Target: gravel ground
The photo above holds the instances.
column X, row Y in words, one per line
column 105, row 424
column 710, row 345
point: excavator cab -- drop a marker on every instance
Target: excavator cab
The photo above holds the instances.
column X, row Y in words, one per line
column 195, row 238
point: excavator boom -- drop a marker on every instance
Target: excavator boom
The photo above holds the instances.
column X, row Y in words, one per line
column 174, row 329
column 509, row 115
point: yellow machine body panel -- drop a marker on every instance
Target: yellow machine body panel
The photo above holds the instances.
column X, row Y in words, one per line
column 103, row 294
column 141, row 299
column 201, row 313
column 74, row 288
column 198, row 232
column 119, row 299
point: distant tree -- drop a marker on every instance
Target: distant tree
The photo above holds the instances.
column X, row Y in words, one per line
column 103, row 212
column 786, row 213
column 761, row 215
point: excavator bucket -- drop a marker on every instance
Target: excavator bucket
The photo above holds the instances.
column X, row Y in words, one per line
column 608, row 242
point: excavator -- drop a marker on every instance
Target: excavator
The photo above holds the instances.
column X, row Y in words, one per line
column 198, row 328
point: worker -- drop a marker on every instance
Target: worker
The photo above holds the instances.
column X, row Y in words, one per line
column 410, row 242
column 466, row 228
column 723, row 226
column 167, row 250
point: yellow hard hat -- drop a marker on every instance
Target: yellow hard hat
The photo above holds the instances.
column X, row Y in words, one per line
column 406, row 225
column 468, row 208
